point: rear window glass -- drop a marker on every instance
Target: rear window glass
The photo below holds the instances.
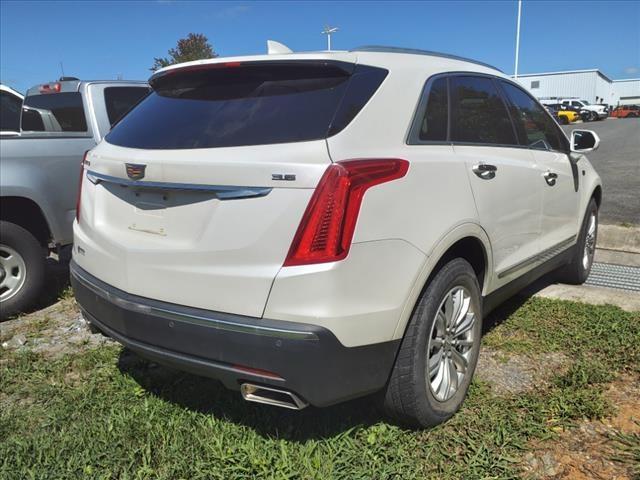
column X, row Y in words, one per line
column 54, row 112
column 478, row 114
column 119, row 100
column 251, row 104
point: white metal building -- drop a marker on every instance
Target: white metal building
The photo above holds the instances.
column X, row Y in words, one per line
column 591, row 85
column 627, row 92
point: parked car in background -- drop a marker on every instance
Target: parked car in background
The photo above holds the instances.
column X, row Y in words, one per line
column 563, row 115
column 10, row 105
column 309, row 228
column 626, row 111
column 39, row 171
column 594, row 112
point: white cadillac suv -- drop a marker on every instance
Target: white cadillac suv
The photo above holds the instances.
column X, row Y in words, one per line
column 309, row 228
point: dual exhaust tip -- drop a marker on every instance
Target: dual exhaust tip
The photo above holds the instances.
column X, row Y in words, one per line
column 272, row 396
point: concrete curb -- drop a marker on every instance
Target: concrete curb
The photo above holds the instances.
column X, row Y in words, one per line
column 622, row 239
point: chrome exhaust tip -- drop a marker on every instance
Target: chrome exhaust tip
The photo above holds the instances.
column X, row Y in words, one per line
column 272, row 396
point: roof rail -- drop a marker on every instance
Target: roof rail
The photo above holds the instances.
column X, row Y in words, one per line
column 415, row 51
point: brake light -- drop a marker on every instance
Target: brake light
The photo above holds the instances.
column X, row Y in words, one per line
column 78, row 199
column 50, row 88
column 328, row 223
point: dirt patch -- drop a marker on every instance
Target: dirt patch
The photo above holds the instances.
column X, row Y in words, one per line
column 53, row 331
column 510, row 373
column 587, row 452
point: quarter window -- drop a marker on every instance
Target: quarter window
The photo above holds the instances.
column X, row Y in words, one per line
column 9, row 112
column 434, row 124
column 478, row 114
column 119, row 100
column 534, row 127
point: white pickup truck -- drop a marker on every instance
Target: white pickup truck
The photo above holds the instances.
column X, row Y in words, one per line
column 40, row 156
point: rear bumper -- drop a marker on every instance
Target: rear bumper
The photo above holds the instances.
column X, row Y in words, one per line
column 305, row 359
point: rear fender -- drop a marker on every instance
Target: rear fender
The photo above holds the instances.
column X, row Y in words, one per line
column 456, row 234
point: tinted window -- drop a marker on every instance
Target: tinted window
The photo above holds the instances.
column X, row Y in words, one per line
column 252, row 104
column 434, row 122
column 119, row 100
column 54, row 112
column 9, row 112
column 478, row 114
column 534, row 127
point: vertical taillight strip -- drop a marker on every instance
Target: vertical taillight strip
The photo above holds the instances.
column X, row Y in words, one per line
column 328, row 224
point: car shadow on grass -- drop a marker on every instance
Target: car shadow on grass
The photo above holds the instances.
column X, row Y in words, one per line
column 210, row 397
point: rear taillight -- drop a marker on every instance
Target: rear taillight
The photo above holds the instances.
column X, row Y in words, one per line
column 78, row 199
column 328, row 224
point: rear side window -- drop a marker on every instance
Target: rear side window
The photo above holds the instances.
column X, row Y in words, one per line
column 534, row 127
column 9, row 112
column 247, row 104
column 434, row 123
column 478, row 114
column 54, row 112
column 119, row 100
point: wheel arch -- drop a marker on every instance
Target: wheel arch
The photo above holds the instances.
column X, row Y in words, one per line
column 26, row 213
column 597, row 195
column 468, row 241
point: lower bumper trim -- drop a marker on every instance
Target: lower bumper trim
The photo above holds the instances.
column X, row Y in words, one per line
column 305, row 359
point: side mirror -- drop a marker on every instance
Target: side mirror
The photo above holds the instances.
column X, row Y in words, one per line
column 584, row 141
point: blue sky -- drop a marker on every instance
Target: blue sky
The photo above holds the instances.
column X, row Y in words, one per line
column 104, row 39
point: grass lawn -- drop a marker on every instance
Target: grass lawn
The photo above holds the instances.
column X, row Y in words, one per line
column 105, row 413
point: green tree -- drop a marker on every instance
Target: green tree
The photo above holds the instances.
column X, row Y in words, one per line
column 195, row 47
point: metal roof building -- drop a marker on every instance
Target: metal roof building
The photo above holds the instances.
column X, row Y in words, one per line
column 627, row 92
column 591, row 85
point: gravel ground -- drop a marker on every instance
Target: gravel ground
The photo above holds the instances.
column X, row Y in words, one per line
column 53, row 331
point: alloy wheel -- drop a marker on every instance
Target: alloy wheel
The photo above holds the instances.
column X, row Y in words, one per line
column 589, row 242
column 450, row 344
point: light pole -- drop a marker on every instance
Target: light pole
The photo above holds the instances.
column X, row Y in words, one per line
column 515, row 74
column 328, row 31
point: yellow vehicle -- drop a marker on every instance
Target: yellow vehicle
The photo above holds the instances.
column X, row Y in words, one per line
column 567, row 116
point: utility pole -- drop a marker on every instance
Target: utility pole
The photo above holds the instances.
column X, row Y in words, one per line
column 515, row 74
column 328, row 31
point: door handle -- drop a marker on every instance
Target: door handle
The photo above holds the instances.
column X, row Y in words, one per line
column 485, row 170
column 550, row 178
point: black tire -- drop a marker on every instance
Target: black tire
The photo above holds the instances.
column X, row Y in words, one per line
column 408, row 397
column 32, row 256
column 576, row 272
column 564, row 120
column 593, row 116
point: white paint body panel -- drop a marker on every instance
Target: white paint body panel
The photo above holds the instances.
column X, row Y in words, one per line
column 228, row 255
